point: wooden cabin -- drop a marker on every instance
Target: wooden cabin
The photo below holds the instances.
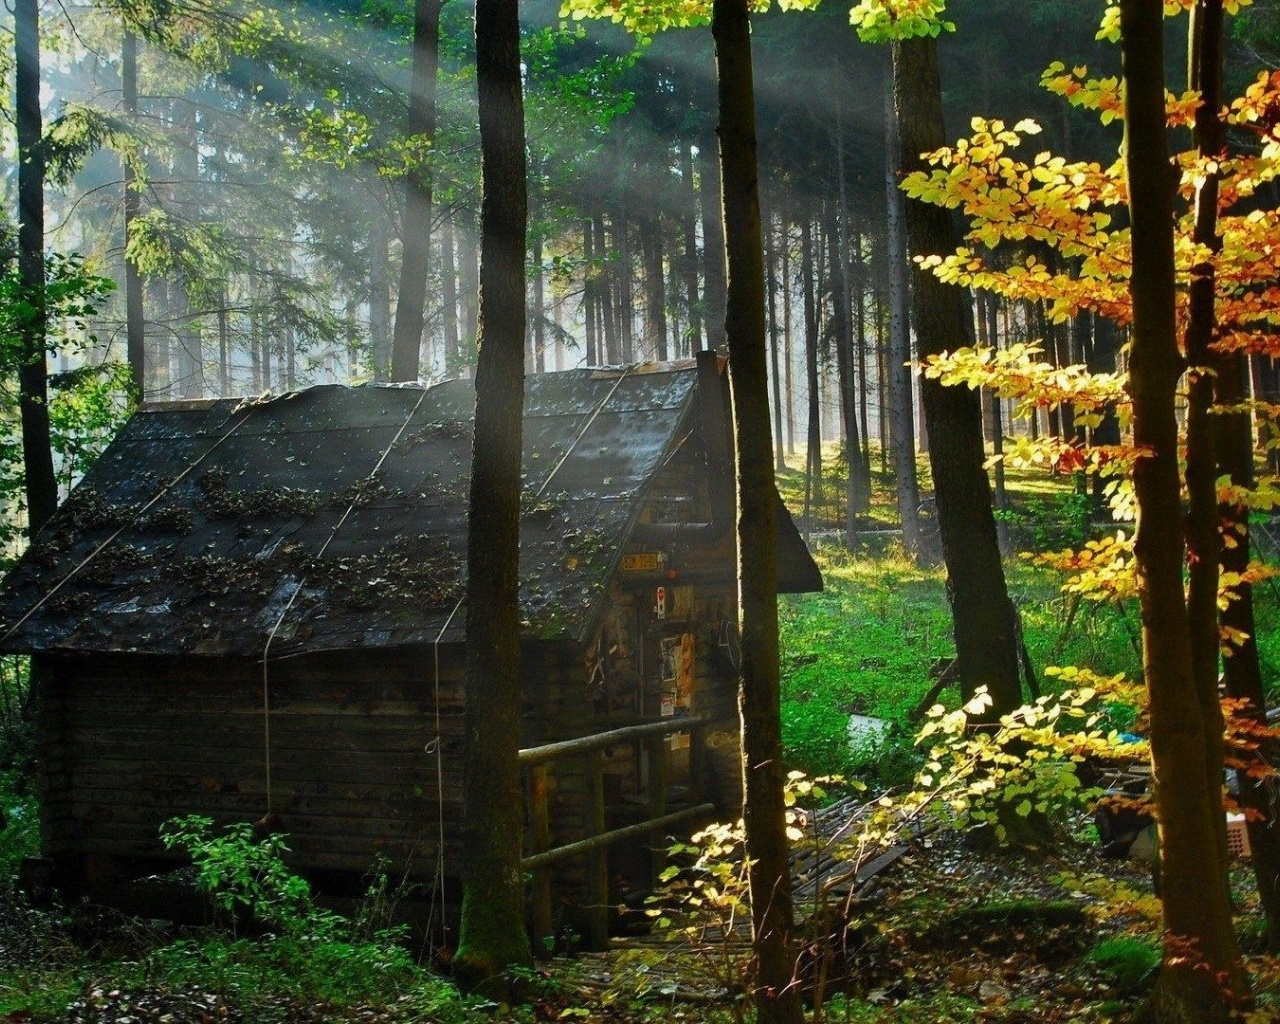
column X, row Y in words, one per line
column 253, row 609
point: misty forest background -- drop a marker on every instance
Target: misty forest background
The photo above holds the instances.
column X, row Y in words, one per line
column 267, row 159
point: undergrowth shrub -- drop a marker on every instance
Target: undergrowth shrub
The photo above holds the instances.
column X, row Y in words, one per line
column 1022, row 769
column 1019, row 777
column 310, row 951
column 244, row 874
column 20, row 827
column 1049, row 523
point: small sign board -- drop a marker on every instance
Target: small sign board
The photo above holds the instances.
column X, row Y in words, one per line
column 643, row 561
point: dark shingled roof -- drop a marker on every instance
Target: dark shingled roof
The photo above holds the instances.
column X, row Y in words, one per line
column 210, row 516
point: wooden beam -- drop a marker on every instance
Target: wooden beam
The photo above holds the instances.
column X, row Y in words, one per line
column 615, row 836
column 598, row 741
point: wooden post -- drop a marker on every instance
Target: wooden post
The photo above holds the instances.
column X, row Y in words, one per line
column 543, row 920
column 598, row 865
column 657, row 749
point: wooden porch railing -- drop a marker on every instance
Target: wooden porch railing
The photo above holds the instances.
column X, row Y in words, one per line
column 652, row 736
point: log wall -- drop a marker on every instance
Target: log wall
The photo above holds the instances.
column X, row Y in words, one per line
column 126, row 742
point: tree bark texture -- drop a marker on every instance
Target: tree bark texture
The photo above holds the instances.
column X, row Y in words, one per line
column 589, row 302
column 655, row 288
column 33, row 375
column 813, row 457
column 858, row 315
column 449, row 299
column 788, row 388
column 855, row 396
column 983, row 616
column 468, row 287
column 135, row 330
column 1201, row 979
column 186, row 319
column 988, row 307
column 608, row 336
column 842, row 338
column 379, row 299
column 1233, row 448
column 415, row 227
column 713, row 252
column 493, row 933
column 777, row 996
column 1241, row 670
column 621, row 223
column 771, row 270
column 689, row 228
column 902, row 415
column 1204, row 543
column 537, row 308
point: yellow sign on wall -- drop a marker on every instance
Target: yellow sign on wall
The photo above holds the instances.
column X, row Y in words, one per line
column 645, row 561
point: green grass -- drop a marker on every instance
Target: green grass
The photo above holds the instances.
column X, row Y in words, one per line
column 867, row 643
column 1129, row 961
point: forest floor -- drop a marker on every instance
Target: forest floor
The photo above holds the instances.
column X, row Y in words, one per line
column 958, row 929
column 952, row 933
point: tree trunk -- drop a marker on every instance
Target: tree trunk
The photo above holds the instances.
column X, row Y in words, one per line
column 902, row 415
column 449, row 299
column 813, row 459
column 859, row 489
column 604, row 295
column 190, row 343
column 1264, row 382
column 493, row 933
column 415, row 226
column 135, row 329
column 255, row 330
column 858, row 295
column 557, row 318
column 777, row 996
column 379, row 300
column 33, row 374
column 988, row 308
column 589, row 317
column 713, row 288
column 622, row 235
column 882, row 382
column 987, row 649
column 1241, row 670
column 186, row 329
column 655, row 289
column 842, row 332
column 1204, row 543
column 1102, row 359
column 689, row 225
column 469, row 286
column 771, row 268
column 788, row 388
column 538, row 304
column 224, row 345
column 1197, row 915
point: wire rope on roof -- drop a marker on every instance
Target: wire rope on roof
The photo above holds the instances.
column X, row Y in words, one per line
column 124, row 526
